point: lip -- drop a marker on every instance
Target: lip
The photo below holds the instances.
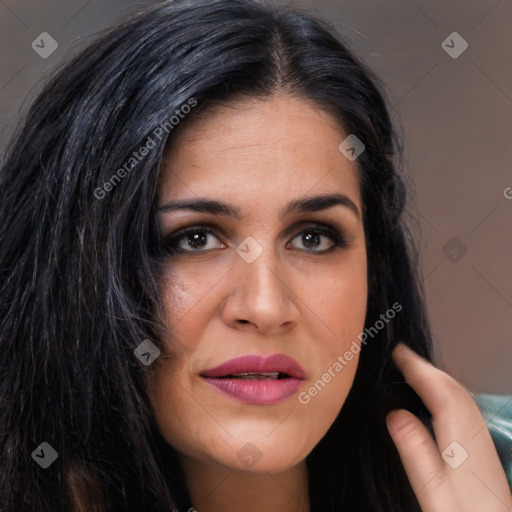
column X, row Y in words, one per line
column 257, row 364
column 256, row 392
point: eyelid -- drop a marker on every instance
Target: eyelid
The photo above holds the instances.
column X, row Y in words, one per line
column 211, row 228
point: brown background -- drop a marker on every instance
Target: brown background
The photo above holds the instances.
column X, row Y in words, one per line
column 457, row 119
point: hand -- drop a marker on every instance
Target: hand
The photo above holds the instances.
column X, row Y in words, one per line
column 460, row 470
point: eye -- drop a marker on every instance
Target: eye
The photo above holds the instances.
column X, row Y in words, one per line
column 196, row 238
column 312, row 237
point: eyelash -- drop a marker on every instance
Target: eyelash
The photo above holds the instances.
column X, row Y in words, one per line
column 171, row 246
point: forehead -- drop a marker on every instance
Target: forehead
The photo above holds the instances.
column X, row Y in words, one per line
column 277, row 147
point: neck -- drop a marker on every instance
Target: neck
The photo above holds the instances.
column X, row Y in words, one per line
column 214, row 488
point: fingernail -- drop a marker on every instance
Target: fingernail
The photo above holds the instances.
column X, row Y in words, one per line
column 400, row 352
column 400, row 346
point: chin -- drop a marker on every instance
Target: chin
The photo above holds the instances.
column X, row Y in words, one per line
column 251, row 459
column 257, row 450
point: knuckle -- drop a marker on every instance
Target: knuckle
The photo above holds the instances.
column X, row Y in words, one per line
column 407, row 430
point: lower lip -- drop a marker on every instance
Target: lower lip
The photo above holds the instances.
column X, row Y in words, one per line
column 256, row 392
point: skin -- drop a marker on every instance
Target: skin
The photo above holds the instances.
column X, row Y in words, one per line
column 292, row 299
column 479, row 483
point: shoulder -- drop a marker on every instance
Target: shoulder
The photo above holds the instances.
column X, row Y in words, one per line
column 497, row 412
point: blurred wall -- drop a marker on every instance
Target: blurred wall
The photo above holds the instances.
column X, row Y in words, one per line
column 453, row 96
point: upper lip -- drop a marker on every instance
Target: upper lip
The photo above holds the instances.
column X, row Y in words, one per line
column 253, row 363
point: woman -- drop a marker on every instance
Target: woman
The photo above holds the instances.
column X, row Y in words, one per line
column 263, row 371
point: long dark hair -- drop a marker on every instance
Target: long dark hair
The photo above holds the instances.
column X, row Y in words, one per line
column 81, row 261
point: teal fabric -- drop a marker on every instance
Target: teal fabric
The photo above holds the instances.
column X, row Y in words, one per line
column 497, row 412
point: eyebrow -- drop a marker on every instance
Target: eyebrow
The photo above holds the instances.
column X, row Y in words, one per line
column 301, row 204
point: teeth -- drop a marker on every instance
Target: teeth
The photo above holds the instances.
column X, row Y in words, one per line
column 255, row 376
column 271, row 374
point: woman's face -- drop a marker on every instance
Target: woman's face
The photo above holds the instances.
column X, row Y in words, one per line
column 262, row 282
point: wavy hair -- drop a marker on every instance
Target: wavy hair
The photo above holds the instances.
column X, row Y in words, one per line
column 80, row 270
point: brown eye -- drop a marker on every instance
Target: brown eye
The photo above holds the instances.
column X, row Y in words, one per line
column 192, row 239
column 313, row 239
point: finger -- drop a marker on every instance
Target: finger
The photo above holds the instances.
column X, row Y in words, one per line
column 462, row 437
column 444, row 397
column 456, row 417
column 422, row 462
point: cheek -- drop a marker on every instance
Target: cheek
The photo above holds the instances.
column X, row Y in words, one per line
column 339, row 302
column 337, row 348
column 186, row 298
column 341, row 308
column 324, row 396
column 184, row 421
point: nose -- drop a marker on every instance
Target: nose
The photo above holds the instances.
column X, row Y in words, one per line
column 261, row 298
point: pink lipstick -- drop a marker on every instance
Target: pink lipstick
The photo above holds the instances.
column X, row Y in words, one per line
column 255, row 379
